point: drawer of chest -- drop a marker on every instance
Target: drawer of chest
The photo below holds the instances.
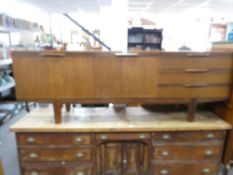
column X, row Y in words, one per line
column 56, row 154
column 57, row 170
column 123, row 136
column 188, row 136
column 187, row 152
column 197, row 61
column 193, row 90
column 54, row 139
column 182, row 77
column 184, row 169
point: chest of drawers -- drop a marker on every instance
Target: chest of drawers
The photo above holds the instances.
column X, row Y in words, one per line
column 101, row 141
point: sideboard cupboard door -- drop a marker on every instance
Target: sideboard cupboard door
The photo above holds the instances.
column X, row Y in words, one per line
column 109, row 159
column 134, row 159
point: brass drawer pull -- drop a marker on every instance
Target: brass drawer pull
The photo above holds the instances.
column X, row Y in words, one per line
column 195, row 85
column 164, row 172
column 35, row 173
column 142, row 136
column 33, row 155
column 80, row 173
column 79, row 155
column 209, row 153
column 206, row 170
column 31, row 140
column 79, row 139
column 103, row 137
column 166, row 137
column 165, row 153
column 198, row 54
column 210, row 136
column 125, row 161
column 196, row 70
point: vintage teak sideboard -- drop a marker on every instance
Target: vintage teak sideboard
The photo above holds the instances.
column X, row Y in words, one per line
column 133, row 78
column 130, row 141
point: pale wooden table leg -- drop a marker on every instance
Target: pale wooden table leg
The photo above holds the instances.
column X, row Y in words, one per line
column 192, row 107
column 57, row 111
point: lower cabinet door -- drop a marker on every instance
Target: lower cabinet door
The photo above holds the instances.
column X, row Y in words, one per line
column 47, row 169
column 109, row 158
column 122, row 158
column 184, row 169
column 135, row 159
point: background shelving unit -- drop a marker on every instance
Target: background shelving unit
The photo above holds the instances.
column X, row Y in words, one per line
column 144, row 39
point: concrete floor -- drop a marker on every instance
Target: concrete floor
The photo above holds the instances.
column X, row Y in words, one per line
column 8, row 152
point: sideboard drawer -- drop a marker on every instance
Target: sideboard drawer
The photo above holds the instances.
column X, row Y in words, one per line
column 54, row 139
column 187, row 152
column 56, row 154
column 189, row 136
column 193, row 90
column 57, row 170
column 184, row 169
column 123, row 136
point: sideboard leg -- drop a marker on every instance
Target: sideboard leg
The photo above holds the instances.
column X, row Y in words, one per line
column 68, row 107
column 192, row 106
column 57, row 111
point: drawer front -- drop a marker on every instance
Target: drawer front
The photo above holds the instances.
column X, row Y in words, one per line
column 184, row 169
column 193, row 91
column 187, row 152
column 189, row 136
column 54, row 139
column 123, row 136
column 51, row 154
column 56, row 170
column 195, row 62
column 174, row 77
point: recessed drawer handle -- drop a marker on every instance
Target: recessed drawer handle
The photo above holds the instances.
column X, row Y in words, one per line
column 206, row 170
column 35, row 173
column 209, row 153
column 79, row 155
column 80, row 173
column 165, row 153
column 103, row 137
column 166, row 137
column 142, row 136
column 196, row 70
column 195, row 85
column 210, row 136
column 33, row 155
column 198, row 54
column 164, row 172
column 31, row 140
column 79, row 139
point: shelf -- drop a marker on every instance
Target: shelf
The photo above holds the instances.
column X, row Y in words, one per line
column 5, row 62
column 7, row 87
column 8, row 30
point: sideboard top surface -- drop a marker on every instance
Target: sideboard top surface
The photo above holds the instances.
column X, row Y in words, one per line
column 130, row 119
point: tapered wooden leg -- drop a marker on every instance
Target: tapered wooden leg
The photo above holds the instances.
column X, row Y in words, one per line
column 57, row 111
column 192, row 107
column 68, row 107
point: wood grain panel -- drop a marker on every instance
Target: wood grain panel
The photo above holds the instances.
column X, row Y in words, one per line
column 179, row 78
column 187, row 137
column 187, row 152
column 45, row 169
column 187, row 62
column 184, row 168
column 56, row 154
column 183, row 92
column 53, row 139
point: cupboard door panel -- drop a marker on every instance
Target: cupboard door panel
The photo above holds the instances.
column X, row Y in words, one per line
column 109, row 156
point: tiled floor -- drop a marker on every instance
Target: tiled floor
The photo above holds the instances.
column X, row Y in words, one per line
column 8, row 151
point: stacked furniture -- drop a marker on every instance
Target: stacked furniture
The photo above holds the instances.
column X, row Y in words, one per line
column 141, row 145
column 132, row 141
